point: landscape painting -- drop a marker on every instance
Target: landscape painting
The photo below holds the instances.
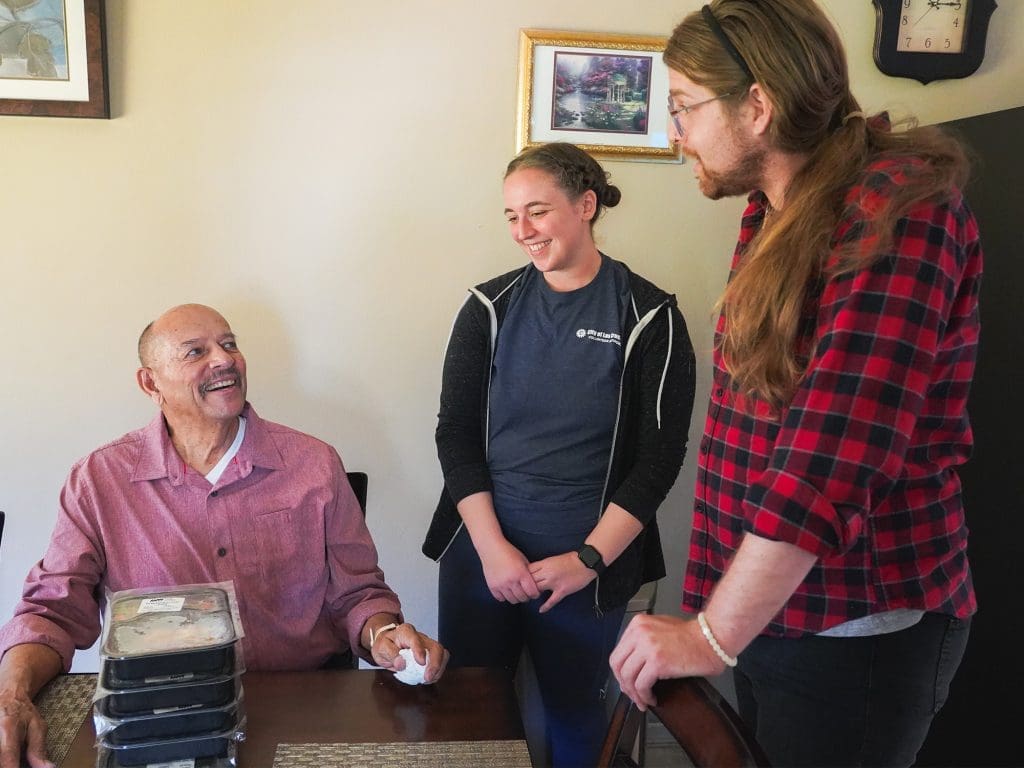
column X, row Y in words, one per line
column 601, row 93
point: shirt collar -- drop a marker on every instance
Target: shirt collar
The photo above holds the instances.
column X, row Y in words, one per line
column 158, row 459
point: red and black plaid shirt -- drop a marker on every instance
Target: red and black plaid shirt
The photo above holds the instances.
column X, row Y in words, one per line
column 860, row 467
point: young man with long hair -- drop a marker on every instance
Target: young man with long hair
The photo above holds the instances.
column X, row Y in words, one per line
column 828, row 561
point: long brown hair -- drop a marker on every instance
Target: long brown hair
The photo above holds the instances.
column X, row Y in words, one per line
column 795, row 54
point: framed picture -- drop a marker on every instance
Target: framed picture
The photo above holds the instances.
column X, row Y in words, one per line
column 606, row 93
column 53, row 59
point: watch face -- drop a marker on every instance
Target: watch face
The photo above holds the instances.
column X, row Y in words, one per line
column 590, row 557
column 932, row 26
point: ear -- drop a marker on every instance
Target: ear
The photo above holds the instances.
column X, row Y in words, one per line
column 588, row 203
column 147, row 383
column 762, row 109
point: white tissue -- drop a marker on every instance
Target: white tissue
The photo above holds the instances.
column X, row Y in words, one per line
column 413, row 672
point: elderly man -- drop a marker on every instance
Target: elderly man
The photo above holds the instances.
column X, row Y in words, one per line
column 207, row 492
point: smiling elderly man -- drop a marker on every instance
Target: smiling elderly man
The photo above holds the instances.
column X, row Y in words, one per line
column 207, row 492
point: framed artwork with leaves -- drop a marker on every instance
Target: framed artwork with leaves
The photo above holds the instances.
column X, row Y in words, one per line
column 53, row 59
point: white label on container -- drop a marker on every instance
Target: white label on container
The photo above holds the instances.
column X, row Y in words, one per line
column 165, row 710
column 190, row 763
column 169, row 678
column 161, row 605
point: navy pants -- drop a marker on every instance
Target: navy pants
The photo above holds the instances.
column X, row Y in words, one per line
column 849, row 701
column 569, row 645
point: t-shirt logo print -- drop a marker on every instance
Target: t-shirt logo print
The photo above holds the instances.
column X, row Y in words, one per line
column 603, row 336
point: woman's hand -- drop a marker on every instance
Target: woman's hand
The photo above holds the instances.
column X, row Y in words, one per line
column 560, row 575
column 508, row 573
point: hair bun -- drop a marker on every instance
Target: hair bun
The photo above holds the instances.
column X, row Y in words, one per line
column 611, row 196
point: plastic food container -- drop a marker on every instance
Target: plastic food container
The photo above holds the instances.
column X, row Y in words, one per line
column 211, row 748
column 109, row 759
column 179, row 724
column 165, row 637
column 147, row 701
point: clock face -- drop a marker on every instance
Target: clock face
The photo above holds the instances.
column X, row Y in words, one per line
column 932, row 26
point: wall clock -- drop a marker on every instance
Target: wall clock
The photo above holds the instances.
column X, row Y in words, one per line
column 931, row 39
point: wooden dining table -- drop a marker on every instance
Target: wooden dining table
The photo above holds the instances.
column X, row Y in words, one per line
column 343, row 717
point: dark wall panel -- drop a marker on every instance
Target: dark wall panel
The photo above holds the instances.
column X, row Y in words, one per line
column 981, row 722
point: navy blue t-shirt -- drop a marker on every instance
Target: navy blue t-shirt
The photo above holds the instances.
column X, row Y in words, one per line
column 553, row 402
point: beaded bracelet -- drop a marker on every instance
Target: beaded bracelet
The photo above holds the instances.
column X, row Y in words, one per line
column 710, row 637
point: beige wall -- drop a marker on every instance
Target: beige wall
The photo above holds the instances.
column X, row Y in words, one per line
column 327, row 174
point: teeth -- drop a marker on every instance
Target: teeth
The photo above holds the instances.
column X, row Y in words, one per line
column 537, row 246
column 220, row 385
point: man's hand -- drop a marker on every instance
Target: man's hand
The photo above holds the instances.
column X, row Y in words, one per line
column 24, row 669
column 507, row 572
column 657, row 647
column 561, row 575
column 425, row 650
column 21, row 725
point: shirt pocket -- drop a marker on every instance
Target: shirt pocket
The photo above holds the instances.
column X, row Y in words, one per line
column 290, row 549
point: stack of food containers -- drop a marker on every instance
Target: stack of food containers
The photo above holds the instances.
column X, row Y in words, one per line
column 169, row 686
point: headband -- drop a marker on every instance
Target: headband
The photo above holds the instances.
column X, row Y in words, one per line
column 712, row 22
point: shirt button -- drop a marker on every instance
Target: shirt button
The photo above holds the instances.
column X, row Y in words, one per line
column 221, row 552
column 704, row 444
column 699, row 507
column 719, row 392
column 214, row 493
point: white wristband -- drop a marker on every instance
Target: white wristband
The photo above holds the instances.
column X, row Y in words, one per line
column 375, row 633
column 710, row 637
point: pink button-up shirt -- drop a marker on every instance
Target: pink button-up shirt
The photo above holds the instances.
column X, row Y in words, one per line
column 282, row 523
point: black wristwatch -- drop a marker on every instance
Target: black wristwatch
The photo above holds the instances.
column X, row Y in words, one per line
column 591, row 558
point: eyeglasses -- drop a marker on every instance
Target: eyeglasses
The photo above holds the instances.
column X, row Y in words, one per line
column 674, row 111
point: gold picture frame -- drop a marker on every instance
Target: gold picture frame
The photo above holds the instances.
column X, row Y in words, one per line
column 606, row 93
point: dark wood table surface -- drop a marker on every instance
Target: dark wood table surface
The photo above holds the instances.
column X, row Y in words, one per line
column 468, row 704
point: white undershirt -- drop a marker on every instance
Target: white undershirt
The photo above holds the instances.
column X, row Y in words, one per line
column 214, row 474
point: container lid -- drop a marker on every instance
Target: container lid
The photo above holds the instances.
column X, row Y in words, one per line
column 167, row 622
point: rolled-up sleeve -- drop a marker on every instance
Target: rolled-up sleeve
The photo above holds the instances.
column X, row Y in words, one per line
column 886, row 335
column 59, row 607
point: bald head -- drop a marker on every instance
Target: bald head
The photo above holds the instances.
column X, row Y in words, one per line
column 153, row 334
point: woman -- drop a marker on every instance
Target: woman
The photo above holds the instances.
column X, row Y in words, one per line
column 565, row 404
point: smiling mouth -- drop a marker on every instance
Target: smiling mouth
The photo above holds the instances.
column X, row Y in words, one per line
column 537, row 247
column 219, row 384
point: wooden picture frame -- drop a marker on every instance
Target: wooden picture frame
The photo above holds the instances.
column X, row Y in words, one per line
column 58, row 67
column 606, row 93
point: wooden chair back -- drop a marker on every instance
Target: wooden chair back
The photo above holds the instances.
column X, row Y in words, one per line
column 699, row 718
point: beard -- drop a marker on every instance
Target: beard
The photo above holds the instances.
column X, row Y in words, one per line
column 741, row 178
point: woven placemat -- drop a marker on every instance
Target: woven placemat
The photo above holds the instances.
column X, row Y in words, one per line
column 64, row 703
column 418, row 754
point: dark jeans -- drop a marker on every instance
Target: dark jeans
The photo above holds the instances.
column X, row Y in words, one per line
column 569, row 645
column 849, row 701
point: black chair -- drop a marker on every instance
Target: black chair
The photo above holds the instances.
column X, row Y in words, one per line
column 358, row 481
column 699, row 718
column 348, row 660
column 1, row 526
